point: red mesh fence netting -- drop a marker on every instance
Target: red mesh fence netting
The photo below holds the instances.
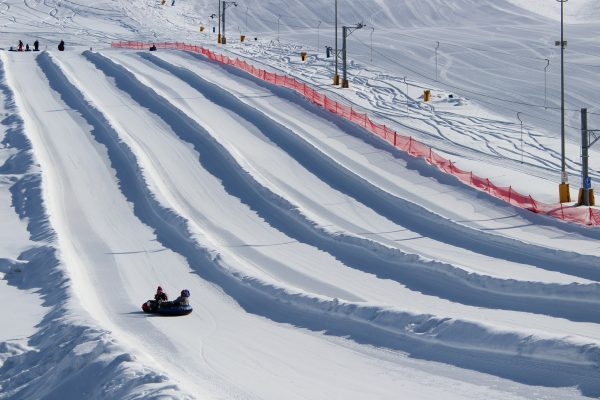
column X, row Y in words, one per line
column 581, row 215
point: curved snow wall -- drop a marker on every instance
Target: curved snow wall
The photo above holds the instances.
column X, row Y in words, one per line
column 580, row 215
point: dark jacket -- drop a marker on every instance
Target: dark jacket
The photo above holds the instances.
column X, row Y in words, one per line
column 162, row 296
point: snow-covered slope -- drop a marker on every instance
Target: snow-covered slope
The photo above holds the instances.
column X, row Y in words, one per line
column 322, row 263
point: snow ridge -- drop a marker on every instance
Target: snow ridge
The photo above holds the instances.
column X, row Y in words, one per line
column 398, row 329
column 88, row 363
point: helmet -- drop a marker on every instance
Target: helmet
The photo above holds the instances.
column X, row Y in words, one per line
column 185, row 293
column 159, row 289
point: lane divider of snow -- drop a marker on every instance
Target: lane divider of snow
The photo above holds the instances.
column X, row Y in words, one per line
column 401, row 211
column 585, row 216
column 416, row 273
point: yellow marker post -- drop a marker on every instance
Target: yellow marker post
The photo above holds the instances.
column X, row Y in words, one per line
column 426, row 95
column 564, row 193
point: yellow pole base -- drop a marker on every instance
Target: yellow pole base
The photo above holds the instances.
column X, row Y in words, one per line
column 345, row 83
column 426, row 95
column 219, row 38
column 580, row 201
column 564, row 193
column 336, row 79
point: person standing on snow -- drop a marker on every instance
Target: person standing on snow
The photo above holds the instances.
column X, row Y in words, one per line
column 61, row 46
column 160, row 295
column 20, row 45
column 36, row 46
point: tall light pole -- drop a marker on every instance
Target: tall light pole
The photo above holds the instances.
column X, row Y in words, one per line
column 347, row 31
column 372, row 31
column 219, row 36
column 278, row 18
column 436, row 60
column 563, row 189
column 318, row 35
column 336, row 77
column 225, row 5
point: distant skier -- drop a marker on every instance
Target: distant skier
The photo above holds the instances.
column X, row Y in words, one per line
column 61, row 46
column 183, row 300
column 153, row 47
column 160, row 295
column 173, row 2
column 20, row 45
column 27, row 47
column 36, row 46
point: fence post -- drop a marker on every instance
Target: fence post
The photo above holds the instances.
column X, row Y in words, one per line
column 488, row 185
column 471, row 179
column 395, row 138
column 365, row 120
column 409, row 144
column 509, row 190
column 533, row 205
column 562, row 212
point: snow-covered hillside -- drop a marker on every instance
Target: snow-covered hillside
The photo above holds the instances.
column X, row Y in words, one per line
column 322, row 262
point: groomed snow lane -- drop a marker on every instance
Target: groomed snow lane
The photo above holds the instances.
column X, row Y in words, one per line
column 224, row 332
column 135, row 89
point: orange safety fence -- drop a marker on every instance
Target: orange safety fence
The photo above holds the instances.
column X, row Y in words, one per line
column 580, row 215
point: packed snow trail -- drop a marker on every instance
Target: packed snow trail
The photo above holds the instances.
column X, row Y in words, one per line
column 45, row 369
column 216, row 323
column 139, row 92
column 359, row 255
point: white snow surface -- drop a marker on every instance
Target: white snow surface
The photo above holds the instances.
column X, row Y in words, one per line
column 322, row 263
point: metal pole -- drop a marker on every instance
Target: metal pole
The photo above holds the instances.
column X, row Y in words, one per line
column 336, row 77
column 546, row 81
column 223, row 39
column 436, row 60
column 564, row 187
column 219, row 11
column 372, row 31
column 318, row 35
column 406, row 95
column 278, row 18
column 519, row 118
column 562, row 93
column 344, row 72
column 585, row 139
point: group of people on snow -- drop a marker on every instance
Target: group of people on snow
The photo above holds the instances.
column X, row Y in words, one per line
column 161, row 298
column 36, row 46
